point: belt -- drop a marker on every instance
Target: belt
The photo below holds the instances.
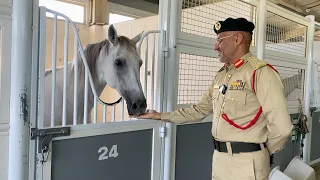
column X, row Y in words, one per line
column 237, row 147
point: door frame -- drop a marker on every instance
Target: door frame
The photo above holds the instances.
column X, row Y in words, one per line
column 5, row 64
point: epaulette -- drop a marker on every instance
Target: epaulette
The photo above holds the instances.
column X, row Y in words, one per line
column 256, row 63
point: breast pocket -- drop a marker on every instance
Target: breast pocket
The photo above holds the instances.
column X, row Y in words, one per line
column 235, row 102
column 215, row 95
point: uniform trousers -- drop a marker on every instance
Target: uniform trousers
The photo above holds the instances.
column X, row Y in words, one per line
column 241, row 166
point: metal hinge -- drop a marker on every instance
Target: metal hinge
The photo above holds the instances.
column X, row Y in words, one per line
column 312, row 110
column 162, row 131
column 166, row 51
column 45, row 137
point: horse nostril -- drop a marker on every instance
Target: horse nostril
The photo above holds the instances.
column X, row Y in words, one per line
column 134, row 106
column 138, row 104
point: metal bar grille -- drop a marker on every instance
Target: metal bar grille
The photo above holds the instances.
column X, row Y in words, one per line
column 293, row 82
column 315, row 96
column 316, row 85
column 148, row 51
column 199, row 17
column 284, row 35
column 99, row 113
column 196, row 73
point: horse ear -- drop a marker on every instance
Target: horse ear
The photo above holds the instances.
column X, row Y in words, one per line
column 112, row 35
column 137, row 38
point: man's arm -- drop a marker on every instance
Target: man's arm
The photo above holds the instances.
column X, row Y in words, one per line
column 270, row 94
column 194, row 113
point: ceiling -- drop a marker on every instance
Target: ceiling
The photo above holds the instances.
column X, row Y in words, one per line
column 144, row 5
column 293, row 31
column 303, row 7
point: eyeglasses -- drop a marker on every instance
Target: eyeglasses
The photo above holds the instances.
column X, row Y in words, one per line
column 219, row 40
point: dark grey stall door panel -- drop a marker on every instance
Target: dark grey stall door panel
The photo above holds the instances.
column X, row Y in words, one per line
column 284, row 157
column 78, row 159
column 315, row 137
column 194, row 151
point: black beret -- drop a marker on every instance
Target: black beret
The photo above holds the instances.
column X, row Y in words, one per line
column 230, row 24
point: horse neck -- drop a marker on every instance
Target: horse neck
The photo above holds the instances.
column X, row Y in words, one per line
column 92, row 53
column 98, row 85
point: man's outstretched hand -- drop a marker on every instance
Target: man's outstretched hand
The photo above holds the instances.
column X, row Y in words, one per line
column 151, row 114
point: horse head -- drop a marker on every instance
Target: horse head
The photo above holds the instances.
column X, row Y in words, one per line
column 121, row 70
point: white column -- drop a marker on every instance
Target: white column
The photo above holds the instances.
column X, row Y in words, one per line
column 261, row 28
column 21, row 66
column 171, row 24
column 309, row 54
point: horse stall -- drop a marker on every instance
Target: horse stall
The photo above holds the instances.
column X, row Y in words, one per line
column 103, row 133
column 80, row 125
column 315, row 100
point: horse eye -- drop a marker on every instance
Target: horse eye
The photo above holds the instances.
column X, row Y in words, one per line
column 119, row 62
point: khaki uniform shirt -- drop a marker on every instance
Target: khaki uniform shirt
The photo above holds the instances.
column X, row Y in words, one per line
column 241, row 104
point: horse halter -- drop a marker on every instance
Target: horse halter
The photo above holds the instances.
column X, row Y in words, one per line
column 112, row 104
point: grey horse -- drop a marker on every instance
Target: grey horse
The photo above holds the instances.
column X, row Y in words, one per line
column 113, row 61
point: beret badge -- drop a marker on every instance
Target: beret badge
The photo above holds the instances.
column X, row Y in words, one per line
column 217, row 26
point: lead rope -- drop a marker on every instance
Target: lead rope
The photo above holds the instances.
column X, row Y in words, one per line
column 301, row 127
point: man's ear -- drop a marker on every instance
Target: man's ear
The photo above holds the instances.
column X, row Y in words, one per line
column 239, row 39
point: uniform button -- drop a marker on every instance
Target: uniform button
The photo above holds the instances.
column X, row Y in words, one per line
column 217, row 116
column 229, row 76
column 232, row 99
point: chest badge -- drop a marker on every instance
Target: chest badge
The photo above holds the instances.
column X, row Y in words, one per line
column 238, row 85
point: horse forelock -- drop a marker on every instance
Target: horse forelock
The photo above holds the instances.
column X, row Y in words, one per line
column 126, row 42
column 127, row 47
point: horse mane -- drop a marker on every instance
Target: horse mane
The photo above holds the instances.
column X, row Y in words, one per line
column 91, row 52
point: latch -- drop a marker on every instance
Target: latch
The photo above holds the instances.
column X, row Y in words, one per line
column 162, row 131
column 45, row 138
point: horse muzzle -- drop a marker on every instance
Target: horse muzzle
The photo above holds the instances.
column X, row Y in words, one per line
column 137, row 108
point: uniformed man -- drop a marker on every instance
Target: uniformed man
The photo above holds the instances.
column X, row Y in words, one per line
column 251, row 119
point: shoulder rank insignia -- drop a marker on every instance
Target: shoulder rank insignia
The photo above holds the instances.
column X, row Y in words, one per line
column 256, row 63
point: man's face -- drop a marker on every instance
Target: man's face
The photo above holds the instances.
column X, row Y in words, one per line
column 225, row 46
